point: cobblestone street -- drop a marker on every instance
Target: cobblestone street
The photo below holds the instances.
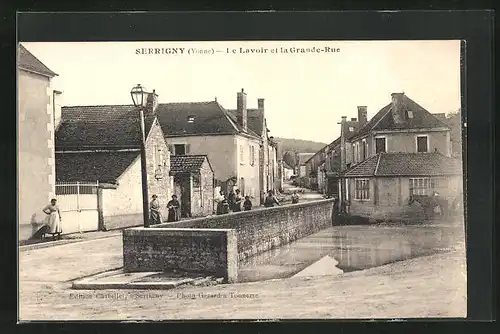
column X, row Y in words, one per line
column 432, row 286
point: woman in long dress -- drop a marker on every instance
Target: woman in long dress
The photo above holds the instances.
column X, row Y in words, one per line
column 155, row 211
column 237, row 201
column 173, row 209
column 53, row 220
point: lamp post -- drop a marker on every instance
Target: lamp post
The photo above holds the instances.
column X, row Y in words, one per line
column 139, row 97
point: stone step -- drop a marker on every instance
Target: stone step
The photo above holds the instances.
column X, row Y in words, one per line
column 142, row 281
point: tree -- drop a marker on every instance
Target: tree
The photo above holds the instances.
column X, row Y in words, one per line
column 289, row 158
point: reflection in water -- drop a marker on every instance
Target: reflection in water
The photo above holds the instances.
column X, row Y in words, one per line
column 354, row 247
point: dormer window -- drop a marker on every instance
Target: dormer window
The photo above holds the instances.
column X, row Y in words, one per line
column 190, row 119
column 351, row 129
column 410, row 114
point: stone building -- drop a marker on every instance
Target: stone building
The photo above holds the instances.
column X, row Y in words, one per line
column 235, row 141
column 193, row 184
column 332, row 166
column 102, row 144
column 402, row 152
column 301, row 167
column 38, row 117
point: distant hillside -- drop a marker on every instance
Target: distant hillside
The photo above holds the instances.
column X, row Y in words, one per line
column 299, row 145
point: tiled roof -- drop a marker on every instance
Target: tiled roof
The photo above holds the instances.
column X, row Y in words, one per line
column 364, row 168
column 186, row 163
column 384, row 119
column 26, row 60
column 100, row 127
column 322, row 151
column 92, row 167
column 209, row 118
column 406, row 164
column 355, row 127
column 303, row 157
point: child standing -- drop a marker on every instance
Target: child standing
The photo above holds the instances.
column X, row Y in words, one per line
column 247, row 205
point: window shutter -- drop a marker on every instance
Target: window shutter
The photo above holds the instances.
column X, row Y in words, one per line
column 171, row 149
column 188, row 146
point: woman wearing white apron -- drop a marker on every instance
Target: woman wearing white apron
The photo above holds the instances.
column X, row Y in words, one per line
column 53, row 219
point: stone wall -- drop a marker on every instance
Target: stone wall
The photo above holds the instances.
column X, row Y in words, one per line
column 255, row 232
column 158, row 168
column 36, row 173
column 389, row 198
column 204, row 251
column 262, row 229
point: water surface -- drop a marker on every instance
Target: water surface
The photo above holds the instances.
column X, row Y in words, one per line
column 354, row 247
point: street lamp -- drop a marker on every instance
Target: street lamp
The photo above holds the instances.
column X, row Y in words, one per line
column 139, row 97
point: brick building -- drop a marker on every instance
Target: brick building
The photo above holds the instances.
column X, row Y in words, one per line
column 102, row 144
column 38, row 117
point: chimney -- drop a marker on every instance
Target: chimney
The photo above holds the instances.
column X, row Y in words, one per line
column 260, row 103
column 397, row 110
column 241, row 106
column 152, row 102
column 362, row 115
column 354, row 119
column 56, row 105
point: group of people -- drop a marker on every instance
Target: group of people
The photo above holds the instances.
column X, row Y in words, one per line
column 225, row 204
column 233, row 202
column 173, row 207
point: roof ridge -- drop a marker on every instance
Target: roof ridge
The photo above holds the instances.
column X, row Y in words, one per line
column 99, row 105
column 192, row 102
column 47, row 69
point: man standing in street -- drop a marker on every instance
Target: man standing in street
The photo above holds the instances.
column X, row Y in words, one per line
column 295, row 197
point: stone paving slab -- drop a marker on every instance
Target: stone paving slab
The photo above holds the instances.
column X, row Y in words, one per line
column 118, row 279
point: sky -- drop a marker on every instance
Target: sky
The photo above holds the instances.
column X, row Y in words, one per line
column 306, row 94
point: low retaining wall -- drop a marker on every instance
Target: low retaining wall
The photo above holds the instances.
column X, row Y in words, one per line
column 206, row 244
column 193, row 250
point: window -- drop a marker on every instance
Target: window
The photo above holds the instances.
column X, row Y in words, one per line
column 364, row 149
column 157, row 157
column 252, row 154
column 362, row 189
column 196, row 180
column 410, row 114
column 358, row 153
column 180, row 149
column 380, row 146
column 190, row 119
column 422, row 144
column 423, row 186
column 242, row 154
column 351, row 129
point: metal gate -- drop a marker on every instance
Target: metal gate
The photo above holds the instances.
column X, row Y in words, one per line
column 78, row 203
